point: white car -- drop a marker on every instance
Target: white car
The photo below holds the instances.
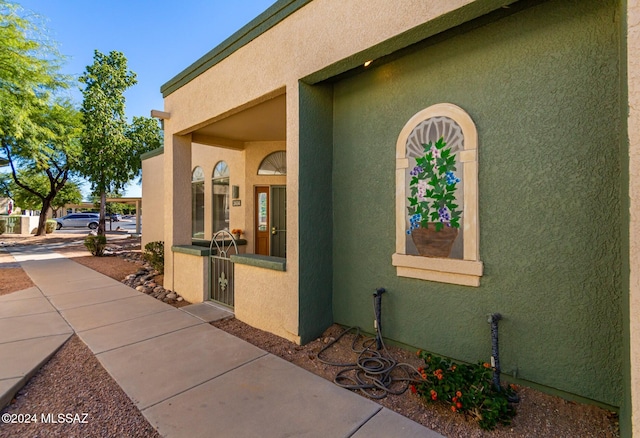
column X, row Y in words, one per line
column 78, row 220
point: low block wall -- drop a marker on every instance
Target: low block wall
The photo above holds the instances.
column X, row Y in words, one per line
column 20, row 225
column 191, row 273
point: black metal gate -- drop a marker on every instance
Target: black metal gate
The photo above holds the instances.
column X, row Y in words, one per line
column 223, row 246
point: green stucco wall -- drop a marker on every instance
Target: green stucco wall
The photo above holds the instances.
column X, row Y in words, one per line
column 542, row 86
column 315, row 235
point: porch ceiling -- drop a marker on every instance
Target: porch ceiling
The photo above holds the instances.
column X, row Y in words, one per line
column 265, row 121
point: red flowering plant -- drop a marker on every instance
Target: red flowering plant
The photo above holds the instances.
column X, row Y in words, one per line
column 466, row 389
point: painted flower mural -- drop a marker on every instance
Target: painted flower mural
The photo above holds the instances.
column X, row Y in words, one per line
column 432, row 206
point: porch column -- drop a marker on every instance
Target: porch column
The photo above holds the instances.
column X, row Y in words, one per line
column 177, row 199
column 138, row 214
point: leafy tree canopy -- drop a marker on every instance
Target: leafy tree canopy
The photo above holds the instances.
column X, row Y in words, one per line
column 69, row 194
column 29, row 71
column 39, row 134
column 111, row 146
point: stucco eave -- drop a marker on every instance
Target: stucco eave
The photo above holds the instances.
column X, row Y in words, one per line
column 443, row 23
column 153, row 153
column 262, row 23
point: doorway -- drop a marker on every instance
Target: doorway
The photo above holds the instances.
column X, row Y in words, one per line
column 271, row 221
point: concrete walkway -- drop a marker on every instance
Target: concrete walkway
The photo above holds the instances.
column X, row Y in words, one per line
column 187, row 377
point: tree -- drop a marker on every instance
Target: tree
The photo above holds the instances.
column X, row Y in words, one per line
column 29, row 72
column 37, row 132
column 111, row 146
column 43, row 161
column 69, row 194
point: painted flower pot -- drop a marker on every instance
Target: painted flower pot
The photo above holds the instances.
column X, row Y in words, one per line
column 432, row 243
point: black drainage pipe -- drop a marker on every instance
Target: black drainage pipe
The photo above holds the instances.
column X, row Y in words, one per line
column 495, row 354
column 377, row 308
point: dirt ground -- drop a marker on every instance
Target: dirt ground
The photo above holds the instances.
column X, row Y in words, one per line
column 538, row 414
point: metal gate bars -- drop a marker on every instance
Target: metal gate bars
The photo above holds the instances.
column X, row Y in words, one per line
column 222, row 247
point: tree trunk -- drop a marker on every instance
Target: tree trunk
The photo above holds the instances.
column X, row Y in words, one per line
column 42, row 221
column 103, row 203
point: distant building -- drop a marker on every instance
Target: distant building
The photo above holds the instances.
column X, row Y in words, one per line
column 7, row 206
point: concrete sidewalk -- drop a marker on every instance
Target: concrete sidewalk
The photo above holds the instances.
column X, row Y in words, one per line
column 187, row 377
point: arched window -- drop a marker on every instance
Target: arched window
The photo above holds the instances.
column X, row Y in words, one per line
column 197, row 203
column 437, row 232
column 274, row 164
column 220, row 186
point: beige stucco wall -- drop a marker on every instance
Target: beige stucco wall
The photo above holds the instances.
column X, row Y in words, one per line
column 191, row 277
column 260, row 302
column 153, row 194
column 633, row 66
column 325, row 31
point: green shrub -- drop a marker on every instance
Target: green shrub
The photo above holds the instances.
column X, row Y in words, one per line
column 154, row 254
column 95, row 244
column 50, row 226
column 3, row 227
column 466, row 389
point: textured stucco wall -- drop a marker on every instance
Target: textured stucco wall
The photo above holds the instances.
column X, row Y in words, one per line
column 633, row 123
column 319, row 34
column 261, row 302
column 191, row 276
column 315, row 210
column 153, row 195
column 543, row 89
column 177, row 197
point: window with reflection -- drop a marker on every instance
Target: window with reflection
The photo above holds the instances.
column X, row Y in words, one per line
column 274, row 164
column 197, row 203
column 220, row 183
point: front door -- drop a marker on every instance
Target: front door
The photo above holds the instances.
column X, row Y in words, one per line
column 278, row 221
column 262, row 220
column 271, row 221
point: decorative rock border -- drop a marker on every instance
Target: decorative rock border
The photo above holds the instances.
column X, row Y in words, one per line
column 143, row 280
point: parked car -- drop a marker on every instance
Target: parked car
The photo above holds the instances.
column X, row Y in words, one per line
column 78, row 220
column 115, row 217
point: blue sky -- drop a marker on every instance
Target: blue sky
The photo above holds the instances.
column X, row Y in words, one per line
column 160, row 38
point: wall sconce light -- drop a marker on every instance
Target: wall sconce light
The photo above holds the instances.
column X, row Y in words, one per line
column 235, row 192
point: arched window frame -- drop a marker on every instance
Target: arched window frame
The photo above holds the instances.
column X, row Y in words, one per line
column 277, row 156
column 197, row 178
column 220, row 176
column 221, row 170
column 468, row 270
